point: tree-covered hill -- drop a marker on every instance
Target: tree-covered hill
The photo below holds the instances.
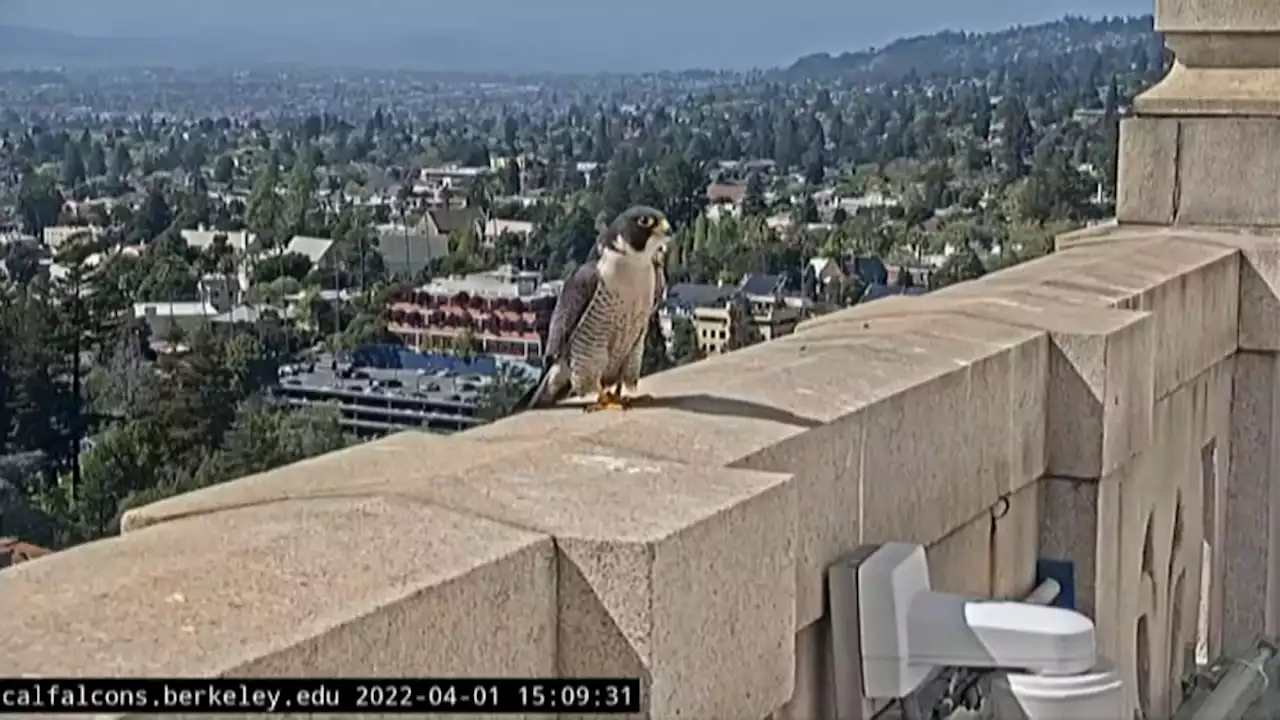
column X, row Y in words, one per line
column 955, row 54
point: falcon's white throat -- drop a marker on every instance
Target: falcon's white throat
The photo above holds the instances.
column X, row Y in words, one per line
column 657, row 246
column 631, row 266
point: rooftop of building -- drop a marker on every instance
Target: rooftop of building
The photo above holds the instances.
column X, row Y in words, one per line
column 446, row 390
column 692, row 295
column 202, row 237
column 504, row 282
column 313, row 248
column 457, row 170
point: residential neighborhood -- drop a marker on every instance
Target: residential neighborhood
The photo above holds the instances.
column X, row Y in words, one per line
column 196, row 285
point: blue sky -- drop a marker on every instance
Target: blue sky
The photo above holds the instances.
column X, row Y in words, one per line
column 679, row 33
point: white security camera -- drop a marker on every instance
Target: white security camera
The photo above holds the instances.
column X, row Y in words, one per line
column 892, row 633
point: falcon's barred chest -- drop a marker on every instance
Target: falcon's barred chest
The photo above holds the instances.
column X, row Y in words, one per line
column 613, row 324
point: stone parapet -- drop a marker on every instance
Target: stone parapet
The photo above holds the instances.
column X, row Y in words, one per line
column 1058, row 408
column 318, row 586
column 646, row 549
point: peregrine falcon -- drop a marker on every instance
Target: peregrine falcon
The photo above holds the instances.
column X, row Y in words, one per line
column 596, row 342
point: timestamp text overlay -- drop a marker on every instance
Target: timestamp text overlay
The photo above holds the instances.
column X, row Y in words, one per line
column 605, row 696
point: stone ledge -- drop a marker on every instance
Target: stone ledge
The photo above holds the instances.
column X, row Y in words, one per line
column 1227, row 63
column 1258, row 302
column 370, row 469
column 1097, row 368
column 797, row 408
column 651, row 553
column 322, row 587
column 1191, row 289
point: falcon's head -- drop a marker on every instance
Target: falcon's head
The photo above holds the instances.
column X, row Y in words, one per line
column 639, row 230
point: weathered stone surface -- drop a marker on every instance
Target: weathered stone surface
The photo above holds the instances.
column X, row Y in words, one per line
column 361, row 471
column 1250, row 512
column 1016, row 543
column 281, row 589
column 1242, row 16
column 961, row 562
column 665, row 570
column 1147, row 170
column 1071, row 528
column 1219, row 162
column 650, row 551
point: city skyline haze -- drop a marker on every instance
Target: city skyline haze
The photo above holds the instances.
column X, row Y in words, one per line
column 565, row 35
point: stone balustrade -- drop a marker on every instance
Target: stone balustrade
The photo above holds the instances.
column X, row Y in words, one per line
column 1114, row 404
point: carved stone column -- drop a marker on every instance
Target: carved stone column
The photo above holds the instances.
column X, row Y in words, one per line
column 1228, row 59
column 1204, row 145
column 1250, row 532
column 1203, row 149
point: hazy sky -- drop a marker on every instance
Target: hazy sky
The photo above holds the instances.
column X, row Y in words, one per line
column 678, row 33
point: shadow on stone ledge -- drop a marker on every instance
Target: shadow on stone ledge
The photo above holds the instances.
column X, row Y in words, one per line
column 704, row 404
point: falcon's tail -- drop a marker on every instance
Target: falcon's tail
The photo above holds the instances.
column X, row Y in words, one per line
column 552, row 387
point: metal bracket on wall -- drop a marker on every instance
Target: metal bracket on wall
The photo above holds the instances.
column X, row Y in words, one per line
column 846, row 649
column 846, row 637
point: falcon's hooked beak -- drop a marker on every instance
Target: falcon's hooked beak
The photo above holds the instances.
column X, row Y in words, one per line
column 661, row 240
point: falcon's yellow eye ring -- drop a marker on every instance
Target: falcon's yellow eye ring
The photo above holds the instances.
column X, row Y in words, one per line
column 645, row 221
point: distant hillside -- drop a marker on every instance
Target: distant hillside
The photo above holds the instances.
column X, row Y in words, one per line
column 20, row 42
column 970, row 54
column 948, row 52
column 24, row 47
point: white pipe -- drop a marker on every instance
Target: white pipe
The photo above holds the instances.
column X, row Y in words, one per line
column 1045, row 593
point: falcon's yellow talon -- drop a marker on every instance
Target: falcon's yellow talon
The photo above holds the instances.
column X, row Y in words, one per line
column 606, row 400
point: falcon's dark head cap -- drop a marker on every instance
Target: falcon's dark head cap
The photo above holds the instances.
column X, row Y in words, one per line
column 641, row 229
